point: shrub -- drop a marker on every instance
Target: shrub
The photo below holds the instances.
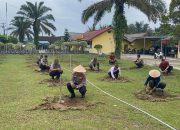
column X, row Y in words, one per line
column 98, row 47
column 3, row 39
column 12, row 40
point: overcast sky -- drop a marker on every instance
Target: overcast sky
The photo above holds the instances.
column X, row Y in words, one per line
column 67, row 14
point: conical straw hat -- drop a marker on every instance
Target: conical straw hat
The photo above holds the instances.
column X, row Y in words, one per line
column 80, row 69
column 154, row 73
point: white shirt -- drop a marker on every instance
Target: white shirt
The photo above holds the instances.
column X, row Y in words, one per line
column 112, row 70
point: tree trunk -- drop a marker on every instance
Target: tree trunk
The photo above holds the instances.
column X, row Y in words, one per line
column 119, row 25
column 36, row 33
column 21, row 37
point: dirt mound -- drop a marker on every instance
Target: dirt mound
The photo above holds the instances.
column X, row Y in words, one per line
column 157, row 96
column 120, row 79
column 54, row 83
column 64, row 103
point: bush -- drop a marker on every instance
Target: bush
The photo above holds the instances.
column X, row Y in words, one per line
column 9, row 39
column 3, row 39
column 1, row 45
column 98, row 47
column 12, row 40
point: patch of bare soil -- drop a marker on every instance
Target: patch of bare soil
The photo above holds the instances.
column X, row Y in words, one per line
column 96, row 71
column 31, row 66
column 54, row 82
column 120, row 79
column 29, row 59
column 130, row 68
column 157, row 96
column 170, row 74
column 64, row 103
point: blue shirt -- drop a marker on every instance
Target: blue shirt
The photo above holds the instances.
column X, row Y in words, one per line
column 156, row 80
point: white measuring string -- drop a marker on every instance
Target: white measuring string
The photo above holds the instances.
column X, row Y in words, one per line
column 128, row 104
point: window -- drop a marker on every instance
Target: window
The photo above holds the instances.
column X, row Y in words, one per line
column 89, row 44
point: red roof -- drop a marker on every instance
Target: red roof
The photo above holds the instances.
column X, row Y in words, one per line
column 88, row 36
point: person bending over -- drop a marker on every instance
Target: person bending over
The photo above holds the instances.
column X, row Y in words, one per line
column 153, row 83
column 55, row 69
column 93, row 64
column 114, row 72
column 78, row 81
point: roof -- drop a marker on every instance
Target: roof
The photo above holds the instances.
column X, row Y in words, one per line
column 46, row 43
column 135, row 36
column 51, row 39
column 88, row 36
column 75, row 36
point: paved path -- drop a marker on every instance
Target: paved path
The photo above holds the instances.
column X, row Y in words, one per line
column 149, row 60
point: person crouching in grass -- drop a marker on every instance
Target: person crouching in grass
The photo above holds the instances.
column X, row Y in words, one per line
column 153, row 83
column 114, row 72
column 39, row 60
column 55, row 70
column 93, row 64
column 78, row 81
column 139, row 62
column 44, row 64
column 165, row 67
column 112, row 59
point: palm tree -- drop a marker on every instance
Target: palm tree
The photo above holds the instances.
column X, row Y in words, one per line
column 151, row 8
column 175, row 11
column 37, row 14
column 139, row 27
column 21, row 28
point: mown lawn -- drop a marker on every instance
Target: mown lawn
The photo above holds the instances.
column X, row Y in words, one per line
column 20, row 90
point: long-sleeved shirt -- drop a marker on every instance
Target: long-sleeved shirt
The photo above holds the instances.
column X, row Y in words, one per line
column 44, row 61
column 79, row 79
column 156, row 80
column 55, row 67
column 112, row 70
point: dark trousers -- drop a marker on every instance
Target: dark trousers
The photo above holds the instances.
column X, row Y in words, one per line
column 91, row 66
column 161, row 85
column 116, row 74
column 44, row 67
column 139, row 65
column 170, row 68
column 55, row 73
column 82, row 90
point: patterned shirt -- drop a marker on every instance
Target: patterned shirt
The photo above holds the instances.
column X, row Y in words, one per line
column 79, row 79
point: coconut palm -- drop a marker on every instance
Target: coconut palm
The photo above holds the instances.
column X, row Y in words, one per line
column 21, row 28
column 151, row 8
column 175, row 11
column 38, row 15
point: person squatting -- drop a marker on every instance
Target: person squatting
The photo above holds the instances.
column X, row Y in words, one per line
column 55, row 69
column 78, row 81
column 153, row 83
column 114, row 72
column 93, row 64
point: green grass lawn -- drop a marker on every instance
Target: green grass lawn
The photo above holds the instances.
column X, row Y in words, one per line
column 20, row 90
